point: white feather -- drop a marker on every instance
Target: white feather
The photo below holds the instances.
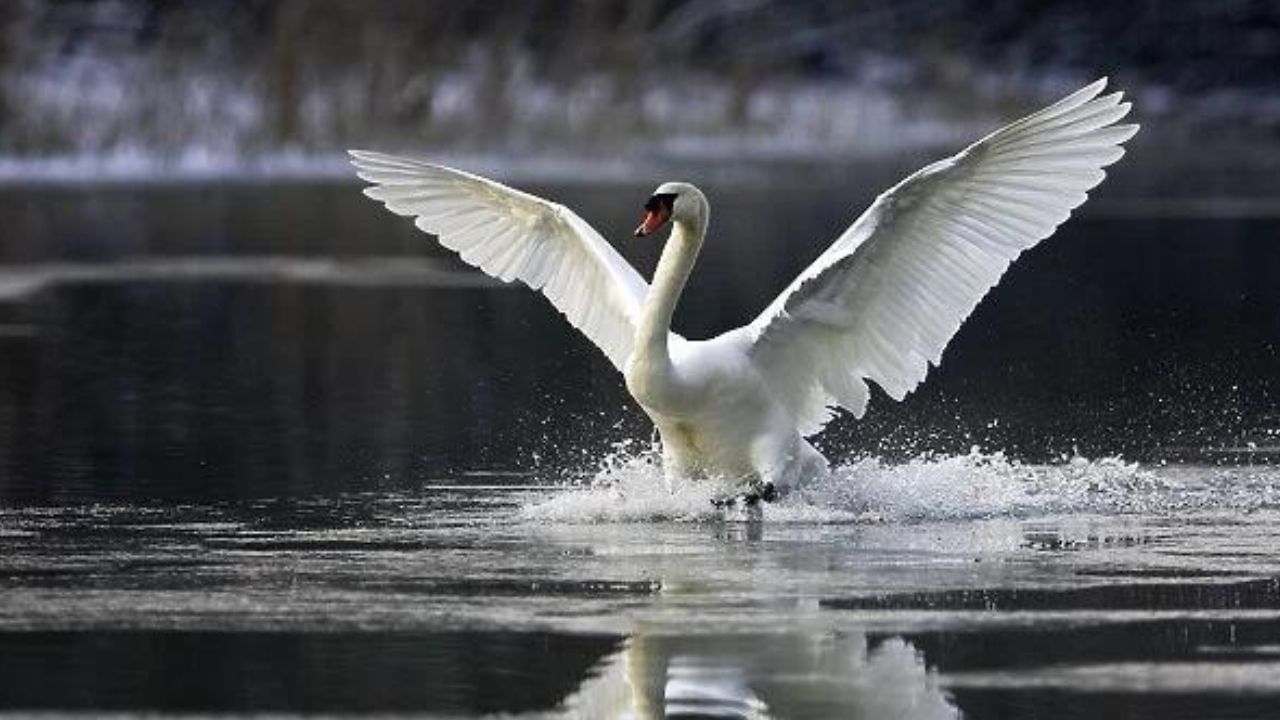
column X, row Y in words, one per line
column 513, row 235
column 897, row 285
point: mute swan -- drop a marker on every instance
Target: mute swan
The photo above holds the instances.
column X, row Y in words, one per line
column 879, row 304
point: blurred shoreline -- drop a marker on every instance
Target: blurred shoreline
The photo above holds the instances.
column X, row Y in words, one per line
column 606, row 91
column 1155, row 179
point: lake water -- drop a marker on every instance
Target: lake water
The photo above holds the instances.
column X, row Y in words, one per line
column 267, row 450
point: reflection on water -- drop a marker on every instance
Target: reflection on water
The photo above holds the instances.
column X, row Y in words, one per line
column 451, row 602
column 822, row 675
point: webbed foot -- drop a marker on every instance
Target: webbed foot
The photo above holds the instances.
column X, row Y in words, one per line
column 762, row 492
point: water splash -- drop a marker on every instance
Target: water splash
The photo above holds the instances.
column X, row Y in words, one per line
column 630, row 487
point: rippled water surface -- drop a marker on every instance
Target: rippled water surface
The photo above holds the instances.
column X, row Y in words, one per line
column 266, row 451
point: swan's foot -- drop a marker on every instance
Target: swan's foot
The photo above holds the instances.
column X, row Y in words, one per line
column 761, row 492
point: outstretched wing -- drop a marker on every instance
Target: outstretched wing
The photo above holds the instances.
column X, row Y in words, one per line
column 883, row 301
column 513, row 235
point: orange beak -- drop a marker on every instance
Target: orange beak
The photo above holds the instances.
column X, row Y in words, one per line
column 653, row 219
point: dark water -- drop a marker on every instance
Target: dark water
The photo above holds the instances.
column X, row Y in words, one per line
column 266, row 450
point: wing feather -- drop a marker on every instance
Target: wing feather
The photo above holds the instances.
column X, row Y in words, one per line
column 884, row 300
column 513, row 235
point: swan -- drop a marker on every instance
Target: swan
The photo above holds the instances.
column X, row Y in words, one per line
column 880, row 304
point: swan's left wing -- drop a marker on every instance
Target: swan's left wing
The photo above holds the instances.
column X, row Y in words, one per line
column 883, row 301
column 513, row 235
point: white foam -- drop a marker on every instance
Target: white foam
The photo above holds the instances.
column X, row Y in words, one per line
column 630, row 487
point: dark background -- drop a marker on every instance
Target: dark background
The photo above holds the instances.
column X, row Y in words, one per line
column 220, row 78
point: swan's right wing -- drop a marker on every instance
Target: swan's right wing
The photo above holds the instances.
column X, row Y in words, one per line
column 884, row 300
column 513, row 235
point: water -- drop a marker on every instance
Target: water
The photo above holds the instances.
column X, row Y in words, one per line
column 265, row 451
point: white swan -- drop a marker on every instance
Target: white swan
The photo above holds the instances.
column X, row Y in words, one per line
column 880, row 304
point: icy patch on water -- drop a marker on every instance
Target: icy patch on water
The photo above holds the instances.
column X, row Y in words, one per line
column 630, row 487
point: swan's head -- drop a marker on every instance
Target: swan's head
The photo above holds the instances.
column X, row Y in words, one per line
column 673, row 202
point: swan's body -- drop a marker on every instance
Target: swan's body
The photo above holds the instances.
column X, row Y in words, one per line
column 880, row 304
column 716, row 413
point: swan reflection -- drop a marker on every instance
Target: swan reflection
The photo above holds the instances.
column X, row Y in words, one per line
column 823, row 675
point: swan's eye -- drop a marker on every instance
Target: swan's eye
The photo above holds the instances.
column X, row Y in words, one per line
column 663, row 201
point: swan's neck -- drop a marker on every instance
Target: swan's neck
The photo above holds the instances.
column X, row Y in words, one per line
column 668, row 282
